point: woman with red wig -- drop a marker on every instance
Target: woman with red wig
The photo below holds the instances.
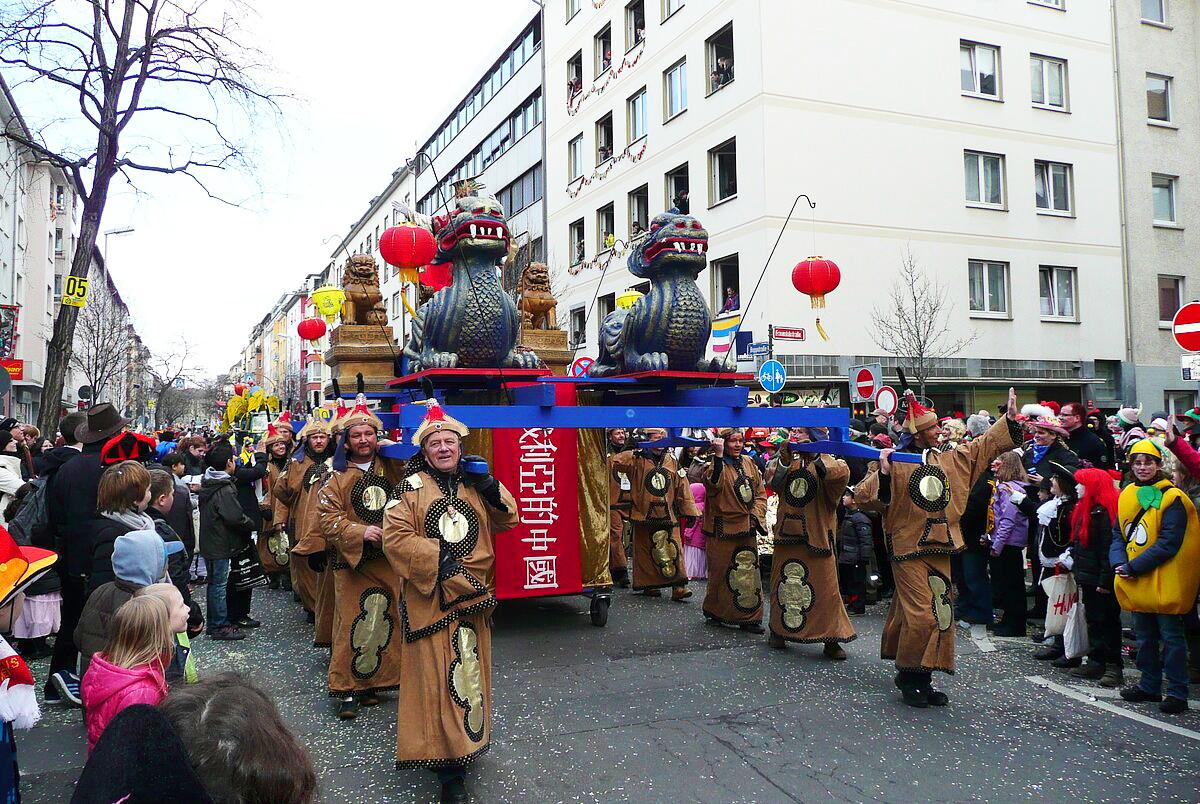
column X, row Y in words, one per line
column 1091, row 536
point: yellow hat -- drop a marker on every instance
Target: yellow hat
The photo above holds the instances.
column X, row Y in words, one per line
column 437, row 421
column 315, row 424
column 358, row 415
column 1146, row 447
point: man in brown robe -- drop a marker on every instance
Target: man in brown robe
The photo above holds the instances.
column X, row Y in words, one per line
column 806, row 602
column 366, row 641
column 618, row 510
column 924, row 503
column 734, row 506
column 658, row 496
column 297, row 489
column 274, row 544
column 439, row 538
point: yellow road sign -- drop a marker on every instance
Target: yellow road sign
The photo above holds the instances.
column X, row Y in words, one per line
column 75, row 291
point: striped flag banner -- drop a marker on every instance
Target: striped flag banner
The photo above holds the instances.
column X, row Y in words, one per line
column 723, row 331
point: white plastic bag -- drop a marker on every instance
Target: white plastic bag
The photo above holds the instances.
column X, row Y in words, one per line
column 1075, row 636
column 1061, row 593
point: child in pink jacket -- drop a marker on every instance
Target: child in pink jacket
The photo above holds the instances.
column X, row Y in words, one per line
column 131, row 668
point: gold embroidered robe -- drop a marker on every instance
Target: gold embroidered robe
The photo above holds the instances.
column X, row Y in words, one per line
column 734, row 506
column 658, row 496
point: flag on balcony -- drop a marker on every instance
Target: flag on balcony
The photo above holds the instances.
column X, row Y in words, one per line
column 723, row 330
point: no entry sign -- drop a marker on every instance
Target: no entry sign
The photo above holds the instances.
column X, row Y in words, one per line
column 865, row 381
column 1186, row 327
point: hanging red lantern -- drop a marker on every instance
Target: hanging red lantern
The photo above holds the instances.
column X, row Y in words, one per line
column 815, row 277
column 407, row 247
column 239, row 388
column 311, row 329
column 436, row 276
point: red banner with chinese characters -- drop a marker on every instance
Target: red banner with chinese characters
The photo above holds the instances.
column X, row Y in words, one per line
column 541, row 468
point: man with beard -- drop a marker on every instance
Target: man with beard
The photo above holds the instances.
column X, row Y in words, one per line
column 806, row 604
column 618, row 510
column 297, row 489
column 734, row 508
column 439, row 538
column 273, row 543
column 658, row 496
column 366, row 646
column 924, row 503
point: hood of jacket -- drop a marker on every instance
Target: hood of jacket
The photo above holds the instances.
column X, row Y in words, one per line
column 52, row 459
column 210, row 486
column 105, row 679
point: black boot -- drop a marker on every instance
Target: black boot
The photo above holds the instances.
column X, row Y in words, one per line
column 285, row 582
column 915, row 693
column 272, row 581
column 454, row 791
column 348, row 708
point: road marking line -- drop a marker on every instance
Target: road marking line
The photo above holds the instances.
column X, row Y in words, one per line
column 1090, row 700
column 979, row 636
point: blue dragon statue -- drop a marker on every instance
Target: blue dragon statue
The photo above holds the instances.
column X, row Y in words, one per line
column 668, row 328
column 472, row 323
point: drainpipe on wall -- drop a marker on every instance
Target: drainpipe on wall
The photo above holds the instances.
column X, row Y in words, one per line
column 1126, row 267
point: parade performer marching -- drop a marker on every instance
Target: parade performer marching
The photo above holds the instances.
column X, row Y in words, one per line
column 439, row 538
column 806, row 602
column 735, row 505
column 326, row 595
column 618, row 510
column 658, row 496
column 366, row 643
column 924, row 503
column 297, row 489
column 274, row 544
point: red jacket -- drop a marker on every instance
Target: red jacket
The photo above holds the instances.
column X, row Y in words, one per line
column 1187, row 455
column 107, row 689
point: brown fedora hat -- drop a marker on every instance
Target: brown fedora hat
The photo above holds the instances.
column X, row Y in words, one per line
column 103, row 422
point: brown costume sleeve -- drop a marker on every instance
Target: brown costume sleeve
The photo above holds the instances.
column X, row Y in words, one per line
column 866, row 493
column 971, row 460
column 685, row 503
column 340, row 530
column 759, row 509
column 288, row 487
column 413, row 556
column 837, row 474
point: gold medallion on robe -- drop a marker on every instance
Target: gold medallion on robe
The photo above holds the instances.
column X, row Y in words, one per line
column 279, row 545
column 744, row 490
column 369, row 497
column 743, row 581
column 371, row 632
column 800, row 487
column 658, row 481
column 794, row 594
column 455, row 522
column 466, row 679
column 943, row 608
column 929, row 489
column 665, row 552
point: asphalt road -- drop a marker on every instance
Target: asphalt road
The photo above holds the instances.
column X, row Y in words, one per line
column 659, row 706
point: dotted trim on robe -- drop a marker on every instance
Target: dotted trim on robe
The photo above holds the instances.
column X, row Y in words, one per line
column 411, row 636
column 462, row 762
column 369, row 496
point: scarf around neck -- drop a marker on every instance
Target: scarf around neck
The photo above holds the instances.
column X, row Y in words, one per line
column 130, row 519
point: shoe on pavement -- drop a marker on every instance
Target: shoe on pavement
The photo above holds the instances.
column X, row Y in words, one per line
column 348, row 709
column 226, row 633
column 914, row 696
column 312, row 618
column 247, row 622
column 369, row 699
column 1172, row 705
column 1063, row 662
column 1089, row 670
column 680, row 594
column 834, row 651
column 1113, row 677
column 454, row 792
column 652, row 592
column 775, row 641
column 623, row 583
column 754, row 628
column 1139, row 695
column 66, row 684
column 1048, row 652
column 936, row 697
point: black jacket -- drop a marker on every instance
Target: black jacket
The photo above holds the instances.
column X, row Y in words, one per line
column 973, row 523
column 71, row 502
column 52, row 460
column 855, row 543
column 177, row 563
column 224, row 527
column 1088, row 447
column 1058, row 453
column 104, row 533
column 1091, row 565
column 180, row 518
column 246, row 476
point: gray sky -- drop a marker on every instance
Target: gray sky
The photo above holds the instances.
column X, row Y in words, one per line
column 372, row 79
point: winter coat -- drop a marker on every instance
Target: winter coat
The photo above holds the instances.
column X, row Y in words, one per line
column 1087, row 446
column 1010, row 527
column 192, row 466
column 10, row 481
column 974, row 521
column 245, row 477
column 1091, row 565
column 104, row 536
column 224, row 527
column 71, row 503
column 91, row 633
column 177, row 564
column 1058, row 453
column 855, row 542
column 107, row 689
column 51, row 460
column 1187, row 456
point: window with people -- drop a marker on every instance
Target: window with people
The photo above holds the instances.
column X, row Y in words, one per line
column 719, row 50
column 635, row 23
column 726, row 285
column 602, row 44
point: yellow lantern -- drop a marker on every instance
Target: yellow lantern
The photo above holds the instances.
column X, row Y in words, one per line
column 628, row 298
column 328, row 300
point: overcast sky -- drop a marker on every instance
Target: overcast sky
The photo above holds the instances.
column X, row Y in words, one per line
column 372, row 78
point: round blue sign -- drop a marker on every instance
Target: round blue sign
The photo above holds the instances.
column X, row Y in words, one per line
column 771, row 376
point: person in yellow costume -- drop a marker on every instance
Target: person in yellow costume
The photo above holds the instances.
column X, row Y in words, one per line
column 1155, row 555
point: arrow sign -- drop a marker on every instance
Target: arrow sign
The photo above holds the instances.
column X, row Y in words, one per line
column 1186, row 327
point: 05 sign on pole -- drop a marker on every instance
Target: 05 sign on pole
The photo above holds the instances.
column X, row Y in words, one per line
column 75, row 291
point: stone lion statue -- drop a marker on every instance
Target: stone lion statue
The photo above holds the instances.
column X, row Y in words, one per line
column 537, row 301
column 364, row 300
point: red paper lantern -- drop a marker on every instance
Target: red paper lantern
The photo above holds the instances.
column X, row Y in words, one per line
column 239, row 388
column 407, row 246
column 815, row 277
column 436, row 276
column 311, row 329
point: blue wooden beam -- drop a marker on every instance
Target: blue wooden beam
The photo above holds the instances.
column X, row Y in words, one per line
column 852, row 449
column 571, row 417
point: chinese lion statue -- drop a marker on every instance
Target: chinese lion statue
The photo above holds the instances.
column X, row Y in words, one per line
column 364, row 300
column 668, row 328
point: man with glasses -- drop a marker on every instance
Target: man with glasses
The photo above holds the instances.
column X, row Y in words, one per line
column 1081, row 440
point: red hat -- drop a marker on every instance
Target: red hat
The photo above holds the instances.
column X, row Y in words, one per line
column 1054, row 406
column 128, row 446
column 20, row 566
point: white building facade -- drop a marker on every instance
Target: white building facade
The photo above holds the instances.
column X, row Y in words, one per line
column 982, row 142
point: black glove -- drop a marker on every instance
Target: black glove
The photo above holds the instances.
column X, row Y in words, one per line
column 483, row 482
column 317, row 562
column 474, row 479
column 447, row 564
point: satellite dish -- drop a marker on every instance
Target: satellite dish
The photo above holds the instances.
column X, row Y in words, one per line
column 84, row 392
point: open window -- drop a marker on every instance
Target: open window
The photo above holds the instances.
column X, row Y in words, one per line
column 678, row 189
column 726, row 285
column 602, row 43
column 605, row 228
column 604, row 139
column 719, row 49
column 635, row 24
column 722, row 170
column 639, row 211
column 575, row 74
column 575, row 238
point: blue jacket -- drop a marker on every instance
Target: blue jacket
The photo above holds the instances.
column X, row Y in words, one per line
column 1170, row 539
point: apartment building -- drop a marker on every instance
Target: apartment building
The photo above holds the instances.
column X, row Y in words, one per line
column 986, row 148
column 1157, row 75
